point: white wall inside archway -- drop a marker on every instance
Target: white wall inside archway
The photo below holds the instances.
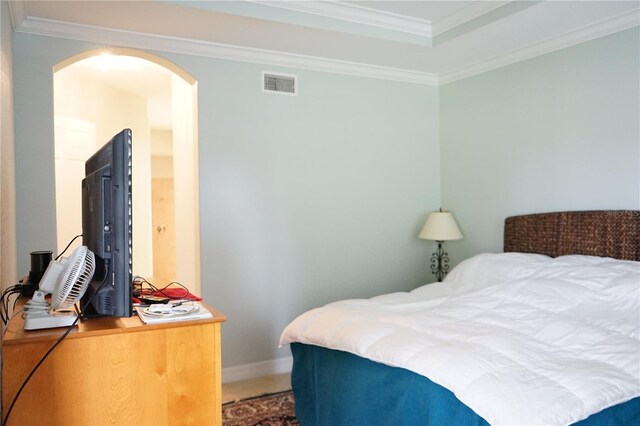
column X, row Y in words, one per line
column 95, row 98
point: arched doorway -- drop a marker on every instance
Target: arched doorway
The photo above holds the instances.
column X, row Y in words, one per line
column 96, row 95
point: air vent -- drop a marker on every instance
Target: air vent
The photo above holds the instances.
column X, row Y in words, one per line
column 284, row 84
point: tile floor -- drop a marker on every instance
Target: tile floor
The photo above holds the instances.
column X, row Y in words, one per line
column 254, row 387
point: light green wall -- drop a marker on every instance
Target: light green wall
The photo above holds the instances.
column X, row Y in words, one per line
column 557, row 132
column 319, row 197
column 304, row 200
column 8, row 275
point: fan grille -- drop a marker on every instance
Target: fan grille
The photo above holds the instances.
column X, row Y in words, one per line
column 73, row 281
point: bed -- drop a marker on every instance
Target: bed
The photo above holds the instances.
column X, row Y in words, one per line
column 471, row 350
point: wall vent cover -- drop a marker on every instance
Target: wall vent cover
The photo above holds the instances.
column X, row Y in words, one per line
column 279, row 83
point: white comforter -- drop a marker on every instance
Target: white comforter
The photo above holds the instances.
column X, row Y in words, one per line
column 519, row 338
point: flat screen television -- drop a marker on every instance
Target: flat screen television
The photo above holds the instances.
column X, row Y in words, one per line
column 107, row 228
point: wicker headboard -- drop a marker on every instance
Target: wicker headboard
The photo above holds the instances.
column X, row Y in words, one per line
column 611, row 233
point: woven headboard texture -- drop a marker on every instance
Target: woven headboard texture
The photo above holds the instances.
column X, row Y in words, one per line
column 608, row 233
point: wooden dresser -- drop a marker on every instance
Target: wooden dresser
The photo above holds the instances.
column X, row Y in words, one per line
column 116, row 371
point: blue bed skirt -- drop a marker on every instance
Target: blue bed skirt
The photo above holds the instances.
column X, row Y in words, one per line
column 334, row 388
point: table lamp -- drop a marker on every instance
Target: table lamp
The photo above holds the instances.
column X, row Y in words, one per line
column 439, row 227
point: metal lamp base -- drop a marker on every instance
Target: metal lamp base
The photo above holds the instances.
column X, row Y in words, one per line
column 440, row 262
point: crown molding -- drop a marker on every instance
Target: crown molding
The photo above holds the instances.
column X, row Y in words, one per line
column 122, row 38
column 387, row 20
column 474, row 10
column 17, row 13
column 603, row 28
column 111, row 37
column 357, row 14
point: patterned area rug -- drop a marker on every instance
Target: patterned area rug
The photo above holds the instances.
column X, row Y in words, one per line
column 275, row 409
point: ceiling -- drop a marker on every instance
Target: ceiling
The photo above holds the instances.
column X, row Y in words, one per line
column 425, row 42
column 430, row 42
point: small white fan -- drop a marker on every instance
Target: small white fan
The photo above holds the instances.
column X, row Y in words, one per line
column 66, row 280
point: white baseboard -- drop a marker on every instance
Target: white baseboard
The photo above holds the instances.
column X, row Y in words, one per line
column 258, row 369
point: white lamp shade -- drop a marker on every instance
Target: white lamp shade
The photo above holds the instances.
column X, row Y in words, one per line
column 440, row 226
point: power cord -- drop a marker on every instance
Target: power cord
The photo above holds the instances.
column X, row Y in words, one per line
column 68, row 245
column 6, row 327
column 24, row 383
column 141, row 281
column 5, row 299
